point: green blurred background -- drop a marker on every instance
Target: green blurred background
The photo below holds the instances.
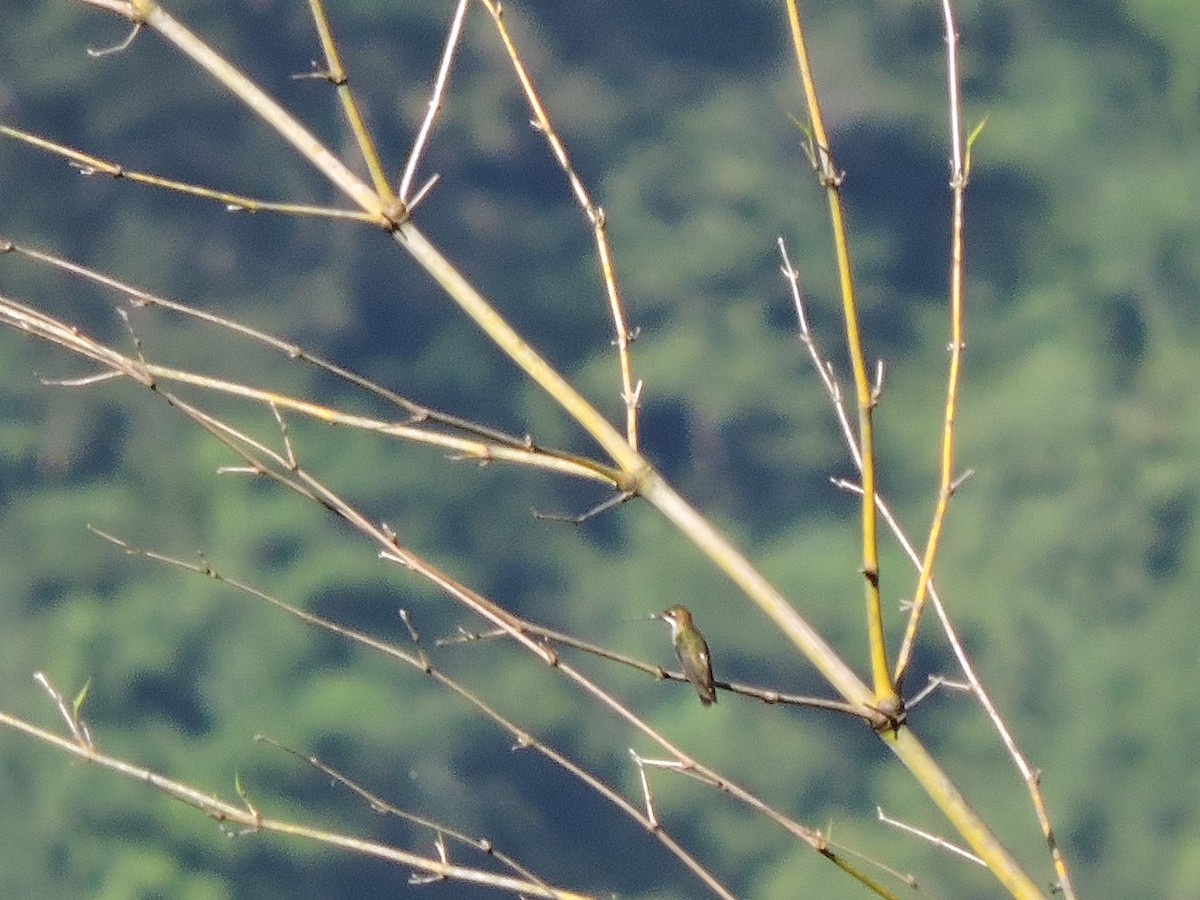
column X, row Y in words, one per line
column 1067, row 558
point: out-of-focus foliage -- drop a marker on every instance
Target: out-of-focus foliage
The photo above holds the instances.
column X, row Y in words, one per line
column 1069, row 557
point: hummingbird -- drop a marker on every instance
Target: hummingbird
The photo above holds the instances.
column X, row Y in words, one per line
column 692, row 650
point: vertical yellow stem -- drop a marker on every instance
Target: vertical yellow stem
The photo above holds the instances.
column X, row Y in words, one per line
column 831, row 179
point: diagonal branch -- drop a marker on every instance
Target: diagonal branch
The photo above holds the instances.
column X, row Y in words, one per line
column 335, row 73
column 435, row 103
column 92, row 165
column 631, row 393
column 31, row 321
column 252, row 821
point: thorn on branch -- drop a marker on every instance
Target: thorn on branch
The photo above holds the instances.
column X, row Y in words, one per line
column 137, row 346
column 462, row 636
column 83, row 381
column 396, row 558
column 417, row 878
column 632, row 335
column 115, row 171
column 95, row 53
column 830, row 177
column 320, row 75
column 426, row 665
column 411, row 206
column 482, row 456
column 845, row 484
column 603, row 506
column 959, row 482
column 877, row 387
column 936, row 682
column 928, row 837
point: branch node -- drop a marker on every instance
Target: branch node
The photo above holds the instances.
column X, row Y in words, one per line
column 889, row 716
column 872, row 576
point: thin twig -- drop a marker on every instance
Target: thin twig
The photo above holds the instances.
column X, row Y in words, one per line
column 821, row 366
column 252, row 821
column 958, row 188
column 631, row 393
column 25, row 318
column 91, row 165
column 435, row 104
column 603, row 506
column 769, row 696
column 138, row 297
column 379, row 805
column 948, row 846
column 523, row 739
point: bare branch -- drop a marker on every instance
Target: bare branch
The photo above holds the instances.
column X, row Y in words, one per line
column 435, row 104
column 253, row 822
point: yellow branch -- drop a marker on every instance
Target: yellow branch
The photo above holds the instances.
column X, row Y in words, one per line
column 831, row 179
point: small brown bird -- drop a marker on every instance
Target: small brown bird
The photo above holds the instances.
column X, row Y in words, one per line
column 692, row 650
